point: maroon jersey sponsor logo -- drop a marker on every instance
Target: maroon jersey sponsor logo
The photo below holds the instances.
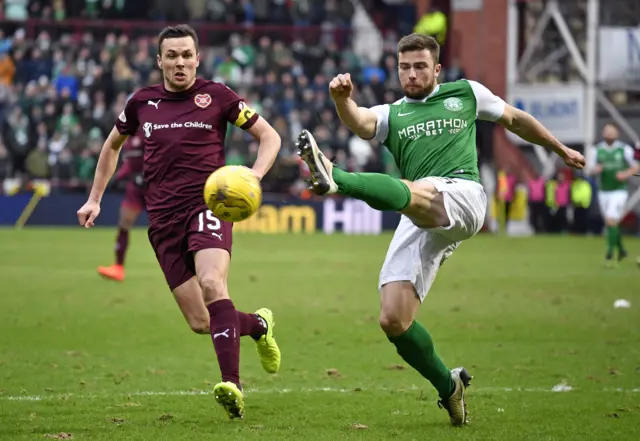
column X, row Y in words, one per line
column 150, row 128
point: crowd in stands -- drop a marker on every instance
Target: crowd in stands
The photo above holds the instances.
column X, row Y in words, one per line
column 399, row 15
column 65, row 79
column 61, row 91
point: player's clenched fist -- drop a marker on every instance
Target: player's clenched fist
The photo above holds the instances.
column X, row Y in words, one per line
column 573, row 159
column 88, row 213
column 341, row 86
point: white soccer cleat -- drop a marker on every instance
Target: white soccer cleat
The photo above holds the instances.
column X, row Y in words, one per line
column 320, row 167
column 455, row 404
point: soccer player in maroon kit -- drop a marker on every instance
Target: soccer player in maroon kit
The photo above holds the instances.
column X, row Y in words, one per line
column 184, row 121
column 132, row 205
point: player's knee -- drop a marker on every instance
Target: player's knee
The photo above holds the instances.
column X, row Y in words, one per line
column 393, row 324
column 199, row 325
column 214, row 288
column 125, row 225
column 128, row 218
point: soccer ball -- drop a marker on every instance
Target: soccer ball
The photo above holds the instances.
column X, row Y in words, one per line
column 233, row 193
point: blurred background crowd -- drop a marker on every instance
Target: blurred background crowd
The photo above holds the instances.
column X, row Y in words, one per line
column 62, row 86
column 67, row 68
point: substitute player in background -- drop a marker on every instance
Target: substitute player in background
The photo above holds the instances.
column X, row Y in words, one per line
column 184, row 121
column 614, row 163
column 431, row 134
column 132, row 205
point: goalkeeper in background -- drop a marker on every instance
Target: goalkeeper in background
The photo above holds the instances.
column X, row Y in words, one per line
column 613, row 163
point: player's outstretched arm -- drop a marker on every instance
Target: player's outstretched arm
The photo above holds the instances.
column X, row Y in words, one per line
column 269, row 147
column 531, row 130
column 359, row 120
column 107, row 163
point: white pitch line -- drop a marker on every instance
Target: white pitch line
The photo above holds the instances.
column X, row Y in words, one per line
column 286, row 391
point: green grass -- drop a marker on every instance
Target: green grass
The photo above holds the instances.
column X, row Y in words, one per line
column 524, row 314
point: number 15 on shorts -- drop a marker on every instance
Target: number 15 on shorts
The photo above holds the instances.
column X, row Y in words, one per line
column 208, row 223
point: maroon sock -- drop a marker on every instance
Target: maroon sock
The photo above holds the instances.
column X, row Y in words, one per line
column 225, row 334
column 121, row 245
column 251, row 324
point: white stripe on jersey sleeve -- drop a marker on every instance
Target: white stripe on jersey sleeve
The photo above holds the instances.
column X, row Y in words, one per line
column 629, row 155
column 382, row 126
column 489, row 107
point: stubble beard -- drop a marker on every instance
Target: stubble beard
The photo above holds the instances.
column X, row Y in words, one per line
column 425, row 92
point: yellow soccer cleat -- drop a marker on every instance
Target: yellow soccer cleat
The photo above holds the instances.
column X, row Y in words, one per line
column 268, row 349
column 229, row 396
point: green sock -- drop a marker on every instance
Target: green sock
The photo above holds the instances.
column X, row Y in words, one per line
column 416, row 348
column 619, row 238
column 381, row 192
column 612, row 239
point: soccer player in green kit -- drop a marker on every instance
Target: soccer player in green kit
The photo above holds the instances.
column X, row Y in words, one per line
column 431, row 134
column 613, row 162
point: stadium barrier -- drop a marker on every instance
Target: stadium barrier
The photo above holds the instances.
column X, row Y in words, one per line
column 276, row 215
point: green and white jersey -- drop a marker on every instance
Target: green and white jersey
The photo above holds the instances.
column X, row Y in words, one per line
column 436, row 136
column 613, row 158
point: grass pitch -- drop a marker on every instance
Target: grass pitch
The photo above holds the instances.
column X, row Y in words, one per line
column 102, row 361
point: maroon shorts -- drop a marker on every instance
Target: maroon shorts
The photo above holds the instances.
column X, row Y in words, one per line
column 134, row 197
column 175, row 243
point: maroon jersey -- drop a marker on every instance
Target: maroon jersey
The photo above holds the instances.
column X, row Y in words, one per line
column 183, row 137
column 133, row 152
column 132, row 157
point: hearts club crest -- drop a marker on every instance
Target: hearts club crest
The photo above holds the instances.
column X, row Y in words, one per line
column 202, row 100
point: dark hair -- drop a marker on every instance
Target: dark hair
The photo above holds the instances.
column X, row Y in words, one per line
column 420, row 42
column 178, row 31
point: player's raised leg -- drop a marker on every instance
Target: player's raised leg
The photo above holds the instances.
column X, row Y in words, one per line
column 381, row 192
column 128, row 216
column 421, row 200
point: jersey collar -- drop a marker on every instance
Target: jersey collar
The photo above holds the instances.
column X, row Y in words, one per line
column 615, row 144
column 411, row 100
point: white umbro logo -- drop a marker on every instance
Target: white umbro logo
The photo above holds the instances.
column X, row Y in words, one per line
column 151, row 103
column 405, row 114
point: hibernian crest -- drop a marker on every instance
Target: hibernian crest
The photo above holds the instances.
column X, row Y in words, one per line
column 453, row 104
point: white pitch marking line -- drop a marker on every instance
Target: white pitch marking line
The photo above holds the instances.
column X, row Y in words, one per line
column 284, row 391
